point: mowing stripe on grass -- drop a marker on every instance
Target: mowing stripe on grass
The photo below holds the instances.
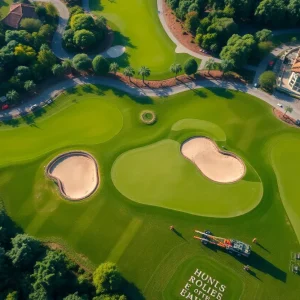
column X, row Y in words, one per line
column 124, row 240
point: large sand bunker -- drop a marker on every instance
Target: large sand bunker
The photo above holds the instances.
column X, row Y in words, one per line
column 217, row 165
column 76, row 174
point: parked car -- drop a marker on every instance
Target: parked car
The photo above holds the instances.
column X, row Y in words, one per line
column 5, row 106
column 256, row 85
column 280, row 105
column 34, row 107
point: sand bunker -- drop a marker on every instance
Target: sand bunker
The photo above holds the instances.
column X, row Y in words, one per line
column 76, row 174
column 115, row 51
column 215, row 164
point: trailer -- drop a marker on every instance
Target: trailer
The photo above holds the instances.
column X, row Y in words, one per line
column 230, row 245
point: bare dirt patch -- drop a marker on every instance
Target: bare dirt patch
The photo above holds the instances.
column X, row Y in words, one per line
column 217, row 165
column 76, row 174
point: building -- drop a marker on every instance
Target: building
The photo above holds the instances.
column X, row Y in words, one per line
column 17, row 12
column 294, row 80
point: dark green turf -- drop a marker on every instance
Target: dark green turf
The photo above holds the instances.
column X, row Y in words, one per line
column 108, row 226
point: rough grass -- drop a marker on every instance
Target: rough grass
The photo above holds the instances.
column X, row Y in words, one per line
column 137, row 237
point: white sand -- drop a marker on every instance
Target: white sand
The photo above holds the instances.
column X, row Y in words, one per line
column 77, row 174
column 115, row 51
column 217, row 166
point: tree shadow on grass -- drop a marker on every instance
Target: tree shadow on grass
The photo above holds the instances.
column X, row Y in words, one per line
column 12, row 122
column 179, row 234
column 133, row 292
column 123, row 40
column 221, row 92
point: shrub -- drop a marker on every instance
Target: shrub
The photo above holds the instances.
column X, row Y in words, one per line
column 81, row 62
column 267, row 80
column 100, row 65
column 58, row 70
column 84, row 38
column 31, row 25
column 190, row 66
column 82, row 21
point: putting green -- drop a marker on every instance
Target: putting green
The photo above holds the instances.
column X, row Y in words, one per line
column 286, row 163
column 159, row 175
column 92, row 121
column 138, row 28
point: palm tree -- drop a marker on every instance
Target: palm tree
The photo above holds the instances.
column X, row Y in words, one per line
column 129, row 71
column 29, row 86
column 288, row 109
column 210, row 64
column 12, row 96
column 67, row 64
column 114, row 67
column 226, row 66
column 176, row 68
column 144, row 72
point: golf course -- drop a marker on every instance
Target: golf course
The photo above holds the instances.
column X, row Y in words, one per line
column 147, row 185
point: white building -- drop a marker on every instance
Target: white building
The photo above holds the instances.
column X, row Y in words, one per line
column 294, row 80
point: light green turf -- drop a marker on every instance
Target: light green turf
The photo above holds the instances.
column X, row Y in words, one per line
column 137, row 26
column 86, row 122
column 286, row 163
column 159, row 175
column 109, row 226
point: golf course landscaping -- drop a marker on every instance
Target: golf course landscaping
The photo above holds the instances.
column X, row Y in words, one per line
column 137, row 27
column 146, row 185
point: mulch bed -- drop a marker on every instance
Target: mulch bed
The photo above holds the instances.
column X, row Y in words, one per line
column 177, row 28
column 285, row 118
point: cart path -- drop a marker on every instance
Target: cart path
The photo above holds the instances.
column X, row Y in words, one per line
column 56, row 89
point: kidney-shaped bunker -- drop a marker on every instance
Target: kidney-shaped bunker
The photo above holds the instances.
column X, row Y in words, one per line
column 76, row 174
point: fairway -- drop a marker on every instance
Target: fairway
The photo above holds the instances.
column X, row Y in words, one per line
column 140, row 31
column 147, row 185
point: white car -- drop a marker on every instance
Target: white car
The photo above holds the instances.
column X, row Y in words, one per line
column 280, row 105
column 33, row 107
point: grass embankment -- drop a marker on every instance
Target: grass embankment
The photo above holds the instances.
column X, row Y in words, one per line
column 108, row 226
column 136, row 25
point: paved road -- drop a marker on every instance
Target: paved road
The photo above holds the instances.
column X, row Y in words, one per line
column 52, row 91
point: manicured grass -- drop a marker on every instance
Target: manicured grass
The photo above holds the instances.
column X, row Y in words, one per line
column 174, row 182
column 109, row 226
column 137, row 26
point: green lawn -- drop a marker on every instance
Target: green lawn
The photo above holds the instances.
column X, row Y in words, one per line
column 137, row 26
column 109, row 226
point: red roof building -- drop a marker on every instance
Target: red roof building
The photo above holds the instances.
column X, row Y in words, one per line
column 17, row 12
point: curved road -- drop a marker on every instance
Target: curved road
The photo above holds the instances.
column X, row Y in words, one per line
column 56, row 89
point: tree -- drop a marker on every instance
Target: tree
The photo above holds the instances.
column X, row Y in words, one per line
column 238, row 49
column 267, row 80
column 176, row 68
column 293, row 10
column 242, row 8
column 226, row 66
column 192, row 22
column 50, row 272
column 84, row 38
column 288, row 109
column 12, row 96
column 107, row 278
column 129, row 72
column 73, row 297
column 24, row 251
column 210, row 64
column 58, row 70
column 46, row 31
column 29, row 86
column 263, row 35
column 114, row 67
column 144, row 72
column 24, row 54
column 20, row 36
column 4, row 269
column 31, row 25
column 46, row 58
column 82, row 21
column 67, row 64
column 82, row 62
column 271, row 12
column 100, row 65
column 190, row 66
column 12, row 296
column 23, row 73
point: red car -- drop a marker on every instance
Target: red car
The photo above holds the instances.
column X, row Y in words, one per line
column 5, row 106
